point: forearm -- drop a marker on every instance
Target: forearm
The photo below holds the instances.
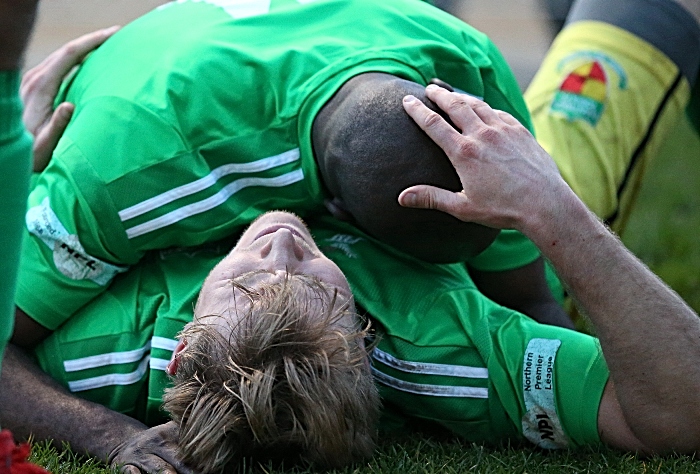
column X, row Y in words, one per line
column 648, row 334
column 32, row 403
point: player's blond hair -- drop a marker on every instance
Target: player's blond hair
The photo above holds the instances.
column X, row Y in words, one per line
column 290, row 384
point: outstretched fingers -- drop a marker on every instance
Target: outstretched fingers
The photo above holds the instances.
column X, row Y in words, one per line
column 433, row 125
column 495, row 157
column 464, row 110
column 40, row 87
column 508, row 118
column 459, row 147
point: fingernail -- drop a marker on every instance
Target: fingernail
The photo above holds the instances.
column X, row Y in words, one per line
column 67, row 111
column 409, row 199
column 409, row 99
column 431, row 87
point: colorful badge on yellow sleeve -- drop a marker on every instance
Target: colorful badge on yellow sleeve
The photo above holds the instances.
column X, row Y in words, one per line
column 584, row 90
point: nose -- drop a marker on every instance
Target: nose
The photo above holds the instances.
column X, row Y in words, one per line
column 282, row 252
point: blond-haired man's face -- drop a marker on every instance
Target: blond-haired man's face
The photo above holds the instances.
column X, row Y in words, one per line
column 275, row 246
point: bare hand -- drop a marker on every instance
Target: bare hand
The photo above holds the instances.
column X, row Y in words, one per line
column 154, row 450
column 505, row 174
column 39, row 89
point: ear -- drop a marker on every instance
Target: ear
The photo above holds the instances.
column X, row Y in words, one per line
column 338, row 209
column 171, row 368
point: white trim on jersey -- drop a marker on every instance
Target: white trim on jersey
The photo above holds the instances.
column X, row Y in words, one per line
column 158, row 364
column 111, row 379
column 100, row 360
column 213, row 201
column 124, row 357
column 429, row 390
column 207, row 181
column 164, row 343
column 427, row 368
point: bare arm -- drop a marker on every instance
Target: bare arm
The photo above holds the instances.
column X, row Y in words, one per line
column 30, row 401
column 650, row 337
column 33, row 403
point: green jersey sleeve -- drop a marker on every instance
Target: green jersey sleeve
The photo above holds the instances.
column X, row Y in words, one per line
column 66, row 255
column 15, row 165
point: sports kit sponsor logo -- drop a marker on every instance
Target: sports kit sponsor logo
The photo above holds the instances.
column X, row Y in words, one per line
column 583, row 93
column 541, row 424
column 342, row 242
column 69, row 256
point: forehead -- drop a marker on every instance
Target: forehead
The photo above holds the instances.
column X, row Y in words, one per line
column 311, row 291
column 235, row 297
column 263, row 304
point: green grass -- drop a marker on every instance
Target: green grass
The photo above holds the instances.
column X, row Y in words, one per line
column 664, row 226
column 423, row 455
column 64, row 461
column 663, row 231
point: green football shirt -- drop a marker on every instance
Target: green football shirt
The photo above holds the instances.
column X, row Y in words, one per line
column 196, row 118
column 15, row 166
column 446, row 353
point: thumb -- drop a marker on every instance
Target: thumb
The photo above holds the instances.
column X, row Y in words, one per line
column 46, row 140
column 431, row 197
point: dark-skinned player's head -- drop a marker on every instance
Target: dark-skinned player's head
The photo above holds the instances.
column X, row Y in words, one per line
column 369, row 150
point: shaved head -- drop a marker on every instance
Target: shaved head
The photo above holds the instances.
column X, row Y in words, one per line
column 369, row 150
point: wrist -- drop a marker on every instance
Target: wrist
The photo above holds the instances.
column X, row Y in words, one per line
column 123, row 429
column 555, row 216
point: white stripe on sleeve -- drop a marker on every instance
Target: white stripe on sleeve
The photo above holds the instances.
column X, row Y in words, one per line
column 101, row 360
column 164, row 343
column 110, row 379
column 429, row 390
column 158, row 363
column 213, row 201
column 207, row 181
column 429, row 368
